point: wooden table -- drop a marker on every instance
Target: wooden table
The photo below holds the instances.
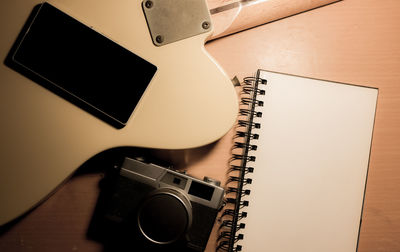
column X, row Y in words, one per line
column 353, row 41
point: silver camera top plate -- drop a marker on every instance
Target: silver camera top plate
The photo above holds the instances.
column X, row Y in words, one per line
column 202, row 192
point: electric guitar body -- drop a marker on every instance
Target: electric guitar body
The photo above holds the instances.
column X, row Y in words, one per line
column 189, row 101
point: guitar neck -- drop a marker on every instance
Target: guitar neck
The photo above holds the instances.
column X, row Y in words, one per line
column 231, row 16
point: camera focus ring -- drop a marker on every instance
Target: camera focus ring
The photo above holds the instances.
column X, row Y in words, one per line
column 165, row 216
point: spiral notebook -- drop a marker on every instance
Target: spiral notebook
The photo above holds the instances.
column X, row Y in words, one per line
column 299, row 165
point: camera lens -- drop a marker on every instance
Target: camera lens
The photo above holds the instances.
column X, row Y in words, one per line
column 164, row 217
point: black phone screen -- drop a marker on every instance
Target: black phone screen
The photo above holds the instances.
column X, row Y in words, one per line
column 81, row 65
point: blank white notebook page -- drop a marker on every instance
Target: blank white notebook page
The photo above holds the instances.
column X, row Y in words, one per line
column 311, row 166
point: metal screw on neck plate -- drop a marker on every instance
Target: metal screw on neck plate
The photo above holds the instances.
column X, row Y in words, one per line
column 159, row 39
column 148, row 4
column 205, row 25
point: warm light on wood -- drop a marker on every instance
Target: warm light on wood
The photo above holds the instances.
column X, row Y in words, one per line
column 233, row 16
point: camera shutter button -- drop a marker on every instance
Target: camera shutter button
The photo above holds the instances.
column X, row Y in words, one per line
column 212, row 181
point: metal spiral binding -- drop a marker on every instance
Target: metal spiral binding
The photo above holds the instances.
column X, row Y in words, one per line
column 235, row 190
column 239, row 170
column 246, row 134
column 244, row 145
column 248, row 124
column 243, row 181
column 231, row 212
column 248, row 112
column 248, row 101
column 239, row 204
column 250, row 90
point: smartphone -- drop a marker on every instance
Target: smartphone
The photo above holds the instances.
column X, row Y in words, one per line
column 81, row 65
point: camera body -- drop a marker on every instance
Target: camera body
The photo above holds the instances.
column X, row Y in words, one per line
column 158, row 208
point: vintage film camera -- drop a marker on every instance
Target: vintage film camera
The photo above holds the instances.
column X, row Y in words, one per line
column 152, row 208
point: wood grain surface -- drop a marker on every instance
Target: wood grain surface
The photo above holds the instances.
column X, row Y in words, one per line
column 352, row 41
column 233, row 16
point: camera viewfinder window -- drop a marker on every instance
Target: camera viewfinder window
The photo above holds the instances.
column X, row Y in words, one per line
column 172, row 179
column 201, row 190
column 176, row 181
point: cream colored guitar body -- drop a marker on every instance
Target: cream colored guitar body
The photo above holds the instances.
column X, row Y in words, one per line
column 43, row 138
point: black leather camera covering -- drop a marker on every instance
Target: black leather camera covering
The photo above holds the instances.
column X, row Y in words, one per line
column 115, row 222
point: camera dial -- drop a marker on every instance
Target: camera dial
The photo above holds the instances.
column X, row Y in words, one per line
column 165, row 216
column 212, row 181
